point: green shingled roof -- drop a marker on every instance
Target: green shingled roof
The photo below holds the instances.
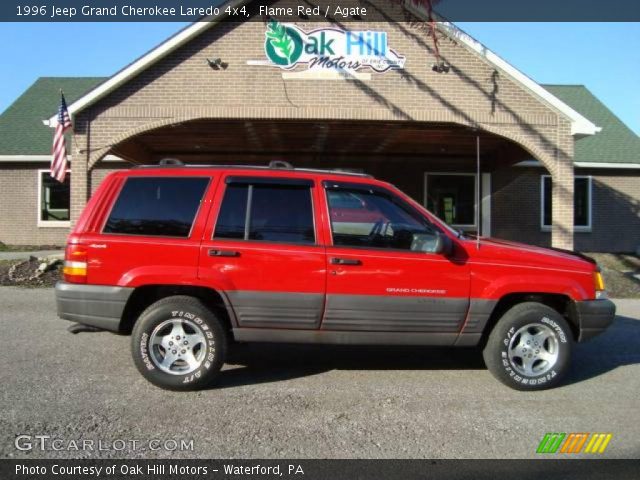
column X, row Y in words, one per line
column 21, row 129
column 23, row 133
column 616, row 143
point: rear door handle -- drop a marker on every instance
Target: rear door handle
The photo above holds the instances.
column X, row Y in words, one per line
column 345, row 261
column 223, row 253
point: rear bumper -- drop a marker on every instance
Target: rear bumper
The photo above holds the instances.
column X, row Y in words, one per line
column 594, row 316
column 96, row 305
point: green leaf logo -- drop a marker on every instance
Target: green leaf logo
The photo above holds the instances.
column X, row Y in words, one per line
column 283, row 44
column 280, row 39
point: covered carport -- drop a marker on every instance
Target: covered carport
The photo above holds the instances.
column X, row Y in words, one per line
column 436, row 163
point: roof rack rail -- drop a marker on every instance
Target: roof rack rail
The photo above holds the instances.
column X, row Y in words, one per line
column 170, row 161
column 174, row 163
column 280, row 164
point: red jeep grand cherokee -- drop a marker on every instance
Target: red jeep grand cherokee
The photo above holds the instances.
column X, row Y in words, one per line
column 192, row 258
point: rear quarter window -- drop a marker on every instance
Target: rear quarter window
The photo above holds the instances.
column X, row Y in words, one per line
column 157, row 206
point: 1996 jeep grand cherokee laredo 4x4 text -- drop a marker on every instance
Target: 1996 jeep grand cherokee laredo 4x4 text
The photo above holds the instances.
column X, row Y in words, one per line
column 192, row 258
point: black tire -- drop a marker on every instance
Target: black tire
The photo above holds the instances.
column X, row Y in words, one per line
column 507, row 347
column 207, row 354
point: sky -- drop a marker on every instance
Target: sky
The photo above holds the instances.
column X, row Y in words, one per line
column 603, row 56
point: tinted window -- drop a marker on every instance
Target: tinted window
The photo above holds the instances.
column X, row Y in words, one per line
column 281, row 214
column 278, row 213
column 233, row 212
column 581, row 201
column 157, row 206
column 367, row 218
column 55, row 198
column 452, row 198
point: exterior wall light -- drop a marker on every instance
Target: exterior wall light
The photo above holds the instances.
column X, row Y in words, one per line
column 441, row 67
column 217, row 63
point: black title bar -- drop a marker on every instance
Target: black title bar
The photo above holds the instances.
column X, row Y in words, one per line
column 312, row 10
column 550, row 469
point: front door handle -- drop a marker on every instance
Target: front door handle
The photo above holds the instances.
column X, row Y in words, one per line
column 223, row 253
column 345, row 261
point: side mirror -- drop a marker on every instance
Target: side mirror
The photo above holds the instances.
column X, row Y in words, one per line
column 437, row 243
column 444, row 245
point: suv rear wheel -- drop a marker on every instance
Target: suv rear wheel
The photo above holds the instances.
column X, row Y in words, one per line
column 530, row 347
column 179, row 344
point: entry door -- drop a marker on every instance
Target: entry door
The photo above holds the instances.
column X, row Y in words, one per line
column 262, row 250
column 376, row 280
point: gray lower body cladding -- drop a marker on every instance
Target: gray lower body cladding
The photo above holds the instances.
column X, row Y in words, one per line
column 96, row 305
column 364, row 313
column 394, row 314
column 361, row 319
column 479, row 312
column 277, row 310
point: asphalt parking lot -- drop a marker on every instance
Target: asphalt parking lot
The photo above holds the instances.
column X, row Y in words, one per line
column 278, row 401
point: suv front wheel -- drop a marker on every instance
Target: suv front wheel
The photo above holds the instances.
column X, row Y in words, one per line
column 530, row 347
column 179, row 344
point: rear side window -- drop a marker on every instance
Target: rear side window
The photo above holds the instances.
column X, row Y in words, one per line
column 157, row 206
column 266, row 212
column 232, row 216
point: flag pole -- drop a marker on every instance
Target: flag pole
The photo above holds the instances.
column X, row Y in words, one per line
column 478, row 191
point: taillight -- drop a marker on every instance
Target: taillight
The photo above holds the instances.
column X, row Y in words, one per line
column 75, row 263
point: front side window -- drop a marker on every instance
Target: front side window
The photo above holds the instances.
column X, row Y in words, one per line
column 55, row 198
column 157, row 206
column 581, row 202
column 266, row 212
column 376, row 219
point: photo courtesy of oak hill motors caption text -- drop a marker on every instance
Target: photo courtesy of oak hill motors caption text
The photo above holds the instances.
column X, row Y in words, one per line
column 156, row 11
column 171, row 469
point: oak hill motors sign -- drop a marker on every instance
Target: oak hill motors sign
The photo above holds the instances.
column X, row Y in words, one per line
column 288, row 46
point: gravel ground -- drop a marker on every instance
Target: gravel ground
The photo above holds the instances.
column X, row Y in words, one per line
column 621, row 273
column 25, row 270
column 277, row 401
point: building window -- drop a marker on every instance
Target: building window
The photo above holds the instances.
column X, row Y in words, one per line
column 267, row 212
column 452, row 197
column 54, row 200
column 157, row 206
column 582, row 193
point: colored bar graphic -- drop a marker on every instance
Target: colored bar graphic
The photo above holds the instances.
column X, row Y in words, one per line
column 598, row 443
column 574, row 442
column 581, row 442
column 550, row 443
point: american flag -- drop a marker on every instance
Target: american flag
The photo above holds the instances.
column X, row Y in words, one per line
column 59, row 151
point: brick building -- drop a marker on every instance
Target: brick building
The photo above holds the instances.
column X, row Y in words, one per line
column 556, row 166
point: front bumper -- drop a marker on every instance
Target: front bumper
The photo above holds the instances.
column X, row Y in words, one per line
column 100, row 306
column 594, row 316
